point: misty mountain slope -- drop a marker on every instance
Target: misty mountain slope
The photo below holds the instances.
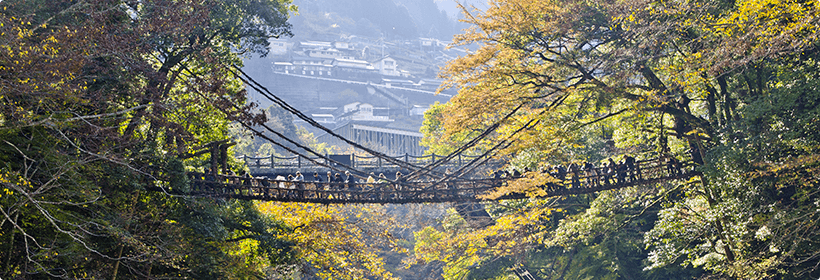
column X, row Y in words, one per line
column 394, row 19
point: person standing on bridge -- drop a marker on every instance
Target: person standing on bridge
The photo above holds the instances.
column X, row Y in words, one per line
column 348, row 177
column 574, row 170
column 317, row 183
column 383, row 185
column 289, row 185
column 338, row 183
column 631, row 170
column 329, row 183
column 370, row 181
column 299, row 181
column 399, row 182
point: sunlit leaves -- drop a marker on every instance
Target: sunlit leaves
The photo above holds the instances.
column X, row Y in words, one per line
column 338, row 242
column 97, row 98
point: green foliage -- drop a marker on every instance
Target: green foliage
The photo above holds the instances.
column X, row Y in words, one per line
column 100, row 101
column 730, row 85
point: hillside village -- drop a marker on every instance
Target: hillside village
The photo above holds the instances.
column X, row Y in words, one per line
column 409, row 64
column 374, row 91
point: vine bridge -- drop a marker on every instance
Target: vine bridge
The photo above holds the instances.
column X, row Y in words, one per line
column 424, row 183
column 572, row 182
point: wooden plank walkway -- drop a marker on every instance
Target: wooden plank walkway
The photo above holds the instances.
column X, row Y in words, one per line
column 455, row 190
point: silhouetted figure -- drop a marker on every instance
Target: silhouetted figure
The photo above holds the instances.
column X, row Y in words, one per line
column 209, row 177
column 673, row 165
column 266, row 189
column 631, row 168
column 497, row 179
column 560, row 173
column 610, row 171
column 591, row 174
column 574, row 170
column 338, row 183
column 351, row 185
column 622, row 172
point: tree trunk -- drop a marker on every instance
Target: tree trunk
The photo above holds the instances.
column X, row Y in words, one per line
column 11, row 243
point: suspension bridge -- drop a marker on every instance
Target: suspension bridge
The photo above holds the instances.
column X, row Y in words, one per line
column 431, row 191
column 424, row 184
column 433, row 185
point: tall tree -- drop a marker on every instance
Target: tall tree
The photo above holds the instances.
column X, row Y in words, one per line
column 99, row 99
column 699, row 80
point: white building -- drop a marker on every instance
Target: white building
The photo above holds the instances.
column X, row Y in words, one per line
column 387, row 66
column 358, row 111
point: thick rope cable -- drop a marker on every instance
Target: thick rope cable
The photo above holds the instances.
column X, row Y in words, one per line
column 265, row 92
column 505, row 143
column 467, row 145
column 492, row 128
column 484, row 157
column 355, row 171
column 261, row 134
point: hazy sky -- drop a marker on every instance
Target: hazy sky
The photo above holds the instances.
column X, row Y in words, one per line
column 452, row 9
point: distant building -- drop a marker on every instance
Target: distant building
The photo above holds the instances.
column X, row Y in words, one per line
column 399, row 83
column 279, row 47
column 323, row 118
column 358, row 111
column 394, row 141
column 387, row 66
column 429, row 84
column 307, row 45
column 353, row 63
column 328, row 53
column 284, row 67
column 343, row 45
column 312, row 66
column 418, row 110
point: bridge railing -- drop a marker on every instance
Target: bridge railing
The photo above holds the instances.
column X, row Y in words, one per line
column 357, row 161
column 455, row 189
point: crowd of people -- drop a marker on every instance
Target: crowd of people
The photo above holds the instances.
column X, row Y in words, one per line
column 347, row 185
column 329, row 185
column 609, row 173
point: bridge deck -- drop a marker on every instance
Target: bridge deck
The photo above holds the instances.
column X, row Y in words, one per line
column 456, row 190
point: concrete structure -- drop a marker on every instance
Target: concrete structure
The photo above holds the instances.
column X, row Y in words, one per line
column 387, row 66
column 395, row 141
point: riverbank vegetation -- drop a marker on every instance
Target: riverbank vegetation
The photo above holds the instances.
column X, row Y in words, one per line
column 104, row 105
column 729, row 86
